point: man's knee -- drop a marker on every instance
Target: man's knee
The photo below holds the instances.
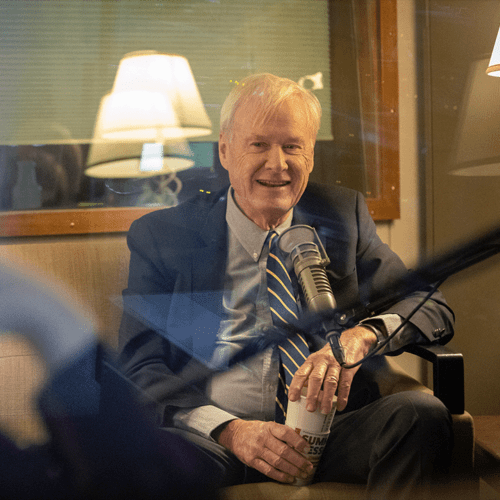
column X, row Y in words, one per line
column 423, row 422
column 425, row 408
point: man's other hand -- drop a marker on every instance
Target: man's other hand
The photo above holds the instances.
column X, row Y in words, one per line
column 321, row 372
column 273, row 449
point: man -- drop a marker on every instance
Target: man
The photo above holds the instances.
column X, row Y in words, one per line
column 200, row 270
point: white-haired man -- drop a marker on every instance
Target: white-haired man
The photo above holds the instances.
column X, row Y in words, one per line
column 211, row 249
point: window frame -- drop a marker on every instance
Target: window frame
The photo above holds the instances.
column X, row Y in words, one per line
column 385, row 206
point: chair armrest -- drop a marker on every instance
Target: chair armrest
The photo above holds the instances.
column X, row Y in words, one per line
column 448, row 374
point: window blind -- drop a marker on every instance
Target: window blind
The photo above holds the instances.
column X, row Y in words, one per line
column 58, row 58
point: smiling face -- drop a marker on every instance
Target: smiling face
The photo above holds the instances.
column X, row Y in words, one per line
column 268, row 159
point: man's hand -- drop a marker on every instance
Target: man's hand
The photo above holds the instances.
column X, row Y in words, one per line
column 321, row 372
column 271, row 448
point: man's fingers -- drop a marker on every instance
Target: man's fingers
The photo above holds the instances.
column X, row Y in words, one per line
column 315, row 384
column 299, row 380
column 281, row 457
column 329, row 388
column 269, row 471
column 313, row 373
column 288, row 462
column 344, row 388
column 288, row 436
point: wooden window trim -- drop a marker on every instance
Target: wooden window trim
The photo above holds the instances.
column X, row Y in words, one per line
column 383, row 207
column 386, row 205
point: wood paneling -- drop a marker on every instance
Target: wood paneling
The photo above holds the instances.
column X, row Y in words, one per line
column 93, row 270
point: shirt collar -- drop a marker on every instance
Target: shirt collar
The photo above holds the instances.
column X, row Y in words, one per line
column 251, row 236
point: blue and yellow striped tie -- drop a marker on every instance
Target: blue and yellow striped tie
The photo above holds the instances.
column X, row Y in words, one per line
column 284, row 311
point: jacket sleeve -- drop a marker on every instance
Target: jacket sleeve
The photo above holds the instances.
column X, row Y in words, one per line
column 378, row 268
column 152, row 360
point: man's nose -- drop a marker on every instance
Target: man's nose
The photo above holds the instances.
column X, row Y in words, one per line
column 276, row 159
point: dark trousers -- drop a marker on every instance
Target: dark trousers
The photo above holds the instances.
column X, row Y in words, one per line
column 397, row 445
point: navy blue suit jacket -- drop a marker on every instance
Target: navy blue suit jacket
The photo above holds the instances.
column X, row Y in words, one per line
column 173, row 302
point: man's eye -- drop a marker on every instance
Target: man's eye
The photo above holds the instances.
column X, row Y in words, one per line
column 291, row 146
column 258, row 144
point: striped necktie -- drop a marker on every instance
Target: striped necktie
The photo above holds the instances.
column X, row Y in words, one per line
column 284, row 311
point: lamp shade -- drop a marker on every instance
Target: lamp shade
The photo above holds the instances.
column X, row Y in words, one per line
column 154, row 99
column 476, row 150
column 494, row 65
column 112, row 160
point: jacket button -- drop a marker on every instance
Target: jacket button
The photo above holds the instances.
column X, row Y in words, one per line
column 438, row 332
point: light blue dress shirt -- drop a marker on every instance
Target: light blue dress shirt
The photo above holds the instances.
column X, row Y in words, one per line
column 249, row 389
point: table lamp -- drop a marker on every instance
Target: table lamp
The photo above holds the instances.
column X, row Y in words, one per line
column 143, row 123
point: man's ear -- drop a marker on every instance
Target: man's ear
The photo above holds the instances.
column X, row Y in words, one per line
column 312, row 156
column 222, row 150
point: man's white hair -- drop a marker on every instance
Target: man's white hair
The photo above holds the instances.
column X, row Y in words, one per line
column 270, row 92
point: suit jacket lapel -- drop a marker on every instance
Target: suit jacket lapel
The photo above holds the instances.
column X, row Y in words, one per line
column 209, row 261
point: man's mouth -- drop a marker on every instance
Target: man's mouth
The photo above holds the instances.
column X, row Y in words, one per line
column 273, row 184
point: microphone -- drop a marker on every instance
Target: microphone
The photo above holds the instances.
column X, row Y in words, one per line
column 306, row 254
